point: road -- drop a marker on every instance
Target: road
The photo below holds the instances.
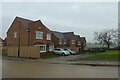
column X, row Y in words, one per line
column 20, row 69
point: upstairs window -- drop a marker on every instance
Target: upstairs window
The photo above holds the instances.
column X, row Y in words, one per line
column 39, row 35
column 79, row 43
column 60, row 41
column 48, row 36
column 15, row 34
column 73, row 41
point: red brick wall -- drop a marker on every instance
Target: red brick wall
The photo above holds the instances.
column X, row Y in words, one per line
column 11, row 41
column 55, row 40
column 37, row 28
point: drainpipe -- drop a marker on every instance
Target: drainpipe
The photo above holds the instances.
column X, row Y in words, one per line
column 19, row 40
column 28, row 36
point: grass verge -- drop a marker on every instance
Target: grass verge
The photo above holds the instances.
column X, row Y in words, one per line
column 111, row 55
column 48, row 55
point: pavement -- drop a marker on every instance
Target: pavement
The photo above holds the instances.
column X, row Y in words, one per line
column 66, row 60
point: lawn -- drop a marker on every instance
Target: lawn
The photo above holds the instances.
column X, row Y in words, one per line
column 111, row 55
column 48, row 55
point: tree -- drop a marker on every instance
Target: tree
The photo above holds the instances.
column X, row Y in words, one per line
column 107, row 37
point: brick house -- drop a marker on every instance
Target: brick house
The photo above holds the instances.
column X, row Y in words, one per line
column 83, row 42
column 24, row 32
column 1, row 42
column 78, row 42
column 67, row 40
column 70, row 40
column 58, row 39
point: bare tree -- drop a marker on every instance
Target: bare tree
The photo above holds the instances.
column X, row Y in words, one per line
column 107, row 37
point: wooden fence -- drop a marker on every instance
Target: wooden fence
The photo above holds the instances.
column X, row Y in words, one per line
column 0, row 51
column 25, row 51
column 12, row 51
column 4, row 51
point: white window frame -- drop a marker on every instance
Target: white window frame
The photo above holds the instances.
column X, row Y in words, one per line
column 60, row 41
column 78, row 43
column 73, row 41
column 44, row 48
column 48, row 36
column 38, row 35
column 15, row 34
column 64, row 42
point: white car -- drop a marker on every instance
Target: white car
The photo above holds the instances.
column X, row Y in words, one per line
column 60, row 51
column 70, row 51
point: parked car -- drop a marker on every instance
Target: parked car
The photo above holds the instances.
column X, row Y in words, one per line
column 70, row 51
column 60, row 51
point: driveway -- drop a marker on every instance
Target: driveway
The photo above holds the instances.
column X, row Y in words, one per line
column 65, row 58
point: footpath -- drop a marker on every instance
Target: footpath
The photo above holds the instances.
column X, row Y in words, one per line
column 65, row 60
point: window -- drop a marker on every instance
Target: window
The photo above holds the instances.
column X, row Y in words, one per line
column 39, row 35
column 42, row 48
column 79, row 43
column 57, row 49
column 48, row 36
column 60, row 41
column 64, row 42
column 73, row 41
column 15, row 34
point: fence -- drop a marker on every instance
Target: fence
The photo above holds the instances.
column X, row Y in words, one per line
column 4, row 50
column 12, row 51
column 0, row 51
column 25, row 51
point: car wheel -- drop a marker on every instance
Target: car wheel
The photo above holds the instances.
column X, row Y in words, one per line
column 63, row 54
column 71, row 53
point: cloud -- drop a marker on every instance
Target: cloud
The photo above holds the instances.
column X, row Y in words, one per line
column 83, row 17
column 59, row 0
column 0, row 19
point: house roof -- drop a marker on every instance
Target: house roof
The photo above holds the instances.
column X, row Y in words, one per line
column 66, row 35
column 83, row 38
column 77, row 37
column 25, row 22
column 69, row 35
column 59, row 35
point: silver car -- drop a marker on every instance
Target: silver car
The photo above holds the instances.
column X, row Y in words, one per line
column 70, row 51
column 60, row 51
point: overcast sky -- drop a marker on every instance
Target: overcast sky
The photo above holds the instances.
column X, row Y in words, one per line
column 83, row 18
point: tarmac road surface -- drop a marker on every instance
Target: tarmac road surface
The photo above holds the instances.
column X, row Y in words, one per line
column 20, row 69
